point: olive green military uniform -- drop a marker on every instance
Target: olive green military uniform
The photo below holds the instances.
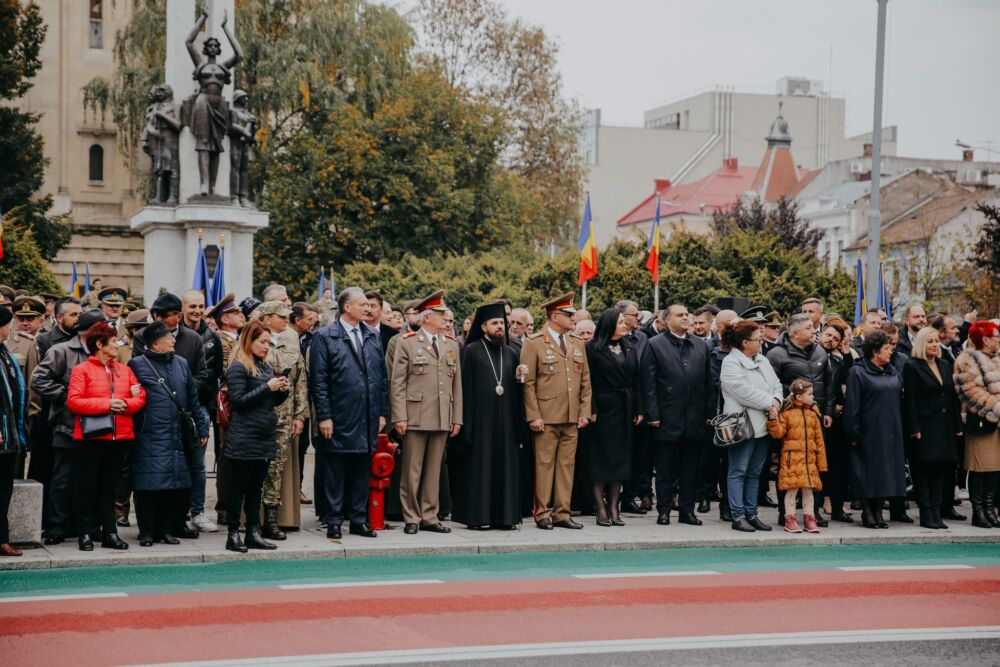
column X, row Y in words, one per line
column 557, row 391
column 281, row 487
column 426, row 393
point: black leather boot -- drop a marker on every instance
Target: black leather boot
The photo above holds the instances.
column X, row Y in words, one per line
column 990, row 497
column 725, row 512
column 234, row 543
column 255, row 541
column 937, row 518
column 976, row 498
column 927, row 518
column 272, row 530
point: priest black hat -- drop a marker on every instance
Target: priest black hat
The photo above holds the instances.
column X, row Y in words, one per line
column 484, row 314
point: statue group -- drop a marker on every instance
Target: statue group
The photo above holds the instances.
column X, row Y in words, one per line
column 210, row 119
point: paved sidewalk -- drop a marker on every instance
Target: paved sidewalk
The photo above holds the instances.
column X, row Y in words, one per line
column 641, row 532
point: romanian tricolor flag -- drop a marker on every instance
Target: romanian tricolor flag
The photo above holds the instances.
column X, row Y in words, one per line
column 587, row 247
column 860, row 305
column 75, row 286
column 653, row 244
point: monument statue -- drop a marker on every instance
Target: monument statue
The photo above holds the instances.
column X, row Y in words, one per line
column 206, row 112
column 242, row 137
column 161, row 141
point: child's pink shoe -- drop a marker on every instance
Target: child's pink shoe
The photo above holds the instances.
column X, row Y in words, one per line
column 810, row 521
column 792, row 524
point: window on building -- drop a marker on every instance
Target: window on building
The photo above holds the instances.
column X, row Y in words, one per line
column 96, row 24
column 96, row 170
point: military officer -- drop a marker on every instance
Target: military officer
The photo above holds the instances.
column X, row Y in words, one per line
column 771, row 331
column 556, row 404
column 28, row 313
column 281, row 487
column 112, row 300
column 425, row 396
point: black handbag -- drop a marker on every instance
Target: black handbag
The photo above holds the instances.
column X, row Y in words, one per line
column 189, row 428
column 96, row 426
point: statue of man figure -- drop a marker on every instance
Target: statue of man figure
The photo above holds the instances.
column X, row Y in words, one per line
column 206, row 112
column 161, row 141
column 242, row 138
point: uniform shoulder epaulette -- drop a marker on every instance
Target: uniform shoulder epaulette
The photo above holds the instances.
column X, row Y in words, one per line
column 450, row 336
column 573, row 335
column 409, row 334
column 25, row 335
column 537, row 334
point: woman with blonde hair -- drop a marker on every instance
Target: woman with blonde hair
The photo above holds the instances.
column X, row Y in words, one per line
column 251, row 441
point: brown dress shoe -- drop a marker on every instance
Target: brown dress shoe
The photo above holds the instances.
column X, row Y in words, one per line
column 545, row 524
column 410, row 529
column 435, row 528
column 10, row 550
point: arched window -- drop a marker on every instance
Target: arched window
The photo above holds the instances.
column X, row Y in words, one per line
column 96, row 163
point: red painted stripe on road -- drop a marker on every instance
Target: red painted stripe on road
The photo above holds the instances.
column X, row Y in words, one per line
column 222, row 611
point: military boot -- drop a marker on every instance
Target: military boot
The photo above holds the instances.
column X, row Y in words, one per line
column 271, row 529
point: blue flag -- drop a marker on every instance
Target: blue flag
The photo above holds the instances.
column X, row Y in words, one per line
column 86, row 281
column 860, row 305
column 882, row 298
column 218, row 280
column 322, row 283
column 201, row 282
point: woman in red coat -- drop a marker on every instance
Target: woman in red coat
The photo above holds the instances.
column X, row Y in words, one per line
column 103, row 394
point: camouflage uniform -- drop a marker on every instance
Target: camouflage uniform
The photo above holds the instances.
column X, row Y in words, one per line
column 281, row 487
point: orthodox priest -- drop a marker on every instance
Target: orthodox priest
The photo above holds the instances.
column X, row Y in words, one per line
column 484, row 456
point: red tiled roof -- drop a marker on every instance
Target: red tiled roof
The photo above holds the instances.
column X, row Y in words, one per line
column 923, row 221
column 719, row 190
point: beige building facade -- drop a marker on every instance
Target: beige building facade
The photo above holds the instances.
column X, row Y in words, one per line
column 86, row 173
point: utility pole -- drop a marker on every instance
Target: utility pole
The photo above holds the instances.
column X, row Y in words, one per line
column 874, row 215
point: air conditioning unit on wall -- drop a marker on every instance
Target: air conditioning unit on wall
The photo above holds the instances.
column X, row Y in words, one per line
column 857, row 167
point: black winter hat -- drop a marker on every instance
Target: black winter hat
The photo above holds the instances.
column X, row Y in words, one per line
column 5, row 316
column 166, row 303
column 154, row 332
column 89, row 318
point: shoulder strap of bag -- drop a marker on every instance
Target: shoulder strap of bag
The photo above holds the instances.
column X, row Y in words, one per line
column 163, row 383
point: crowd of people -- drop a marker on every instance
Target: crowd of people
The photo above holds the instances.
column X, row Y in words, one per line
column 108, row 404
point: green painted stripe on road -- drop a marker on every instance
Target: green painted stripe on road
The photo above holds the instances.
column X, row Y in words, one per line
column 272, row 573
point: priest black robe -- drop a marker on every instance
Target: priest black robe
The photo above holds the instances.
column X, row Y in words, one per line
column 483, row 460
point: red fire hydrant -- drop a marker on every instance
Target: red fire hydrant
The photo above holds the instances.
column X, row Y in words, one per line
column 383, row 463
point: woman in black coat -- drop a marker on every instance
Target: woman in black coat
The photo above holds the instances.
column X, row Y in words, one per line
column 873, row 420
column 617, row 408
column 933, row 421
column 252, row 436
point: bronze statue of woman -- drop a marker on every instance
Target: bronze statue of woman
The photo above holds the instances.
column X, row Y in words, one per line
column 209, row 114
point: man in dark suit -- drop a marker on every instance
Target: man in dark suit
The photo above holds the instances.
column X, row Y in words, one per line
column 914, row 319
column 677, row 382
column 374, row 319
column 347, row 380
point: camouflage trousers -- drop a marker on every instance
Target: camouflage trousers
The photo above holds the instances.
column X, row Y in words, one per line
column 271, row 495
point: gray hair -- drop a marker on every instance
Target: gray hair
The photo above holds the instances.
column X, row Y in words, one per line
column 521, row 311
column 348, row 294
column 274, row 293
column 625, row 303
column 798, row 320
column 584, row 324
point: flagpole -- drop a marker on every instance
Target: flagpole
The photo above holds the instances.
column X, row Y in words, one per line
column 585, row 294
column 656, row 296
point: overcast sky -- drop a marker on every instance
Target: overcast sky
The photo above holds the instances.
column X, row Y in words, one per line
column 942, row 58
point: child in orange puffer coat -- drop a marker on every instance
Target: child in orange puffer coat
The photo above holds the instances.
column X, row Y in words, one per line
column 803, row 454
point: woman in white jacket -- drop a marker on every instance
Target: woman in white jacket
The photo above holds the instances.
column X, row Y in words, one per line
column 748, row 382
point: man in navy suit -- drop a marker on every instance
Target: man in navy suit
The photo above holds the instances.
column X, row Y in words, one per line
column 348, row 384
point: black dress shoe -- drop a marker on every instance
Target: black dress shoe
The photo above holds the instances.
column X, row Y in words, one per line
column 900, row 518
column 632, row 507
column 704, row 507
column 254, row 540
column 567, row 523
column 743, row 526
column 334, row 533
column 948, row 513
column 86, row 544
column 410, row 529
column 187, row 533
column 765, row 501
column 544, row 524
column 842, row 517
column 430, row 528
column 617, row 522
column 758, row 524
column 54, row 539
column 122, row 522
column 689, row 518
column 112, row 541
column 725, row 512
column 883, row 525
column 821, row 520
column 363, row 529
column 663, row 519
column 167, row 539
column 234, row 543
column 145, row 541
column 606, row 523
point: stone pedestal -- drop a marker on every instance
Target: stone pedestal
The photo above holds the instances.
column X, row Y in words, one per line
column 25, row 513
column 170, row 237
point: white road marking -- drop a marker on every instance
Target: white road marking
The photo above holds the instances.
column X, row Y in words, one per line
column 360, row 584
column 516, row 651
column 630, row 575
column 80, row 596
column 873, row 568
